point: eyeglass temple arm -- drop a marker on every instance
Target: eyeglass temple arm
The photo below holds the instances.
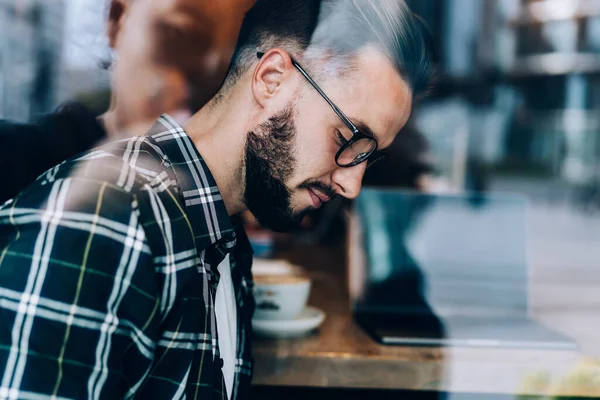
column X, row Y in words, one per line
column 339, row 112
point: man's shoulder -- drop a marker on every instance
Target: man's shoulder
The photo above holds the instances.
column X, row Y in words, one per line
column 133, row 165
column 130, row 175
column 117, row 183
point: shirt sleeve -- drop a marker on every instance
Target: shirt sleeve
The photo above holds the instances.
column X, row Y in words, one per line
column 78, row 298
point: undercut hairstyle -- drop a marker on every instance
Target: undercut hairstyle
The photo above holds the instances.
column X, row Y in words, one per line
column 326, row 35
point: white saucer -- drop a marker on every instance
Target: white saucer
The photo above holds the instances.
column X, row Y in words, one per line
column 309, row 319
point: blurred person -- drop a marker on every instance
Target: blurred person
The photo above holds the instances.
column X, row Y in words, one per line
column 124, row 271
column 170, row 56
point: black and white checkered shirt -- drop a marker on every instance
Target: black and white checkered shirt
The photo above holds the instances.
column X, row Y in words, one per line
column 108, row 275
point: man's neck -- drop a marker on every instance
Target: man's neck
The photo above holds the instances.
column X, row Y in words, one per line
column 219, row 133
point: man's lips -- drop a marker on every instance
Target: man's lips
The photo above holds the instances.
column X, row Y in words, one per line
column 318, row 198
column 315, row 199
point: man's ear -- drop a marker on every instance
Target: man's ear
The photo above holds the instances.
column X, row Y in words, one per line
column 116, row 16
column 273, row 69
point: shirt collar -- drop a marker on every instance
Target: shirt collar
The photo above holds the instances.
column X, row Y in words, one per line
column 204, row 204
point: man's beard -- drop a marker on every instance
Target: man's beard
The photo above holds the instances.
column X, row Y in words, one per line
column 270, row 163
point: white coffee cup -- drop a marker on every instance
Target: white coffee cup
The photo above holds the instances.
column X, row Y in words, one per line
column 281, row 290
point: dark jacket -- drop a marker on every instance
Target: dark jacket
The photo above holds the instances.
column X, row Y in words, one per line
column 28, row 150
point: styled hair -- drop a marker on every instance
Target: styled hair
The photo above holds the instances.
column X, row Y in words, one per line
column 335, row 30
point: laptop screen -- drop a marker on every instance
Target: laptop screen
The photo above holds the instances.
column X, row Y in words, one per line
column 460, row 255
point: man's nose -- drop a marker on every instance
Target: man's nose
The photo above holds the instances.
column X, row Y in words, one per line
column 349, row 180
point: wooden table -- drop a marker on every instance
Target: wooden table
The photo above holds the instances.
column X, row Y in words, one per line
column 341, row 355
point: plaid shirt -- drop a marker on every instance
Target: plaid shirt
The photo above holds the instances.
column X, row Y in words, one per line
column 108, row 274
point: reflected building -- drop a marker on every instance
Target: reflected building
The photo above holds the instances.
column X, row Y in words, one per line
column 51, row 51
column 30, row 54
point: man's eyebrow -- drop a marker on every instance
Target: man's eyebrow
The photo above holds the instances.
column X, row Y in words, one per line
column 364, row 128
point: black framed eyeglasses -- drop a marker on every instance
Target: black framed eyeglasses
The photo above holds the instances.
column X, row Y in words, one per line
column 357, row 149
